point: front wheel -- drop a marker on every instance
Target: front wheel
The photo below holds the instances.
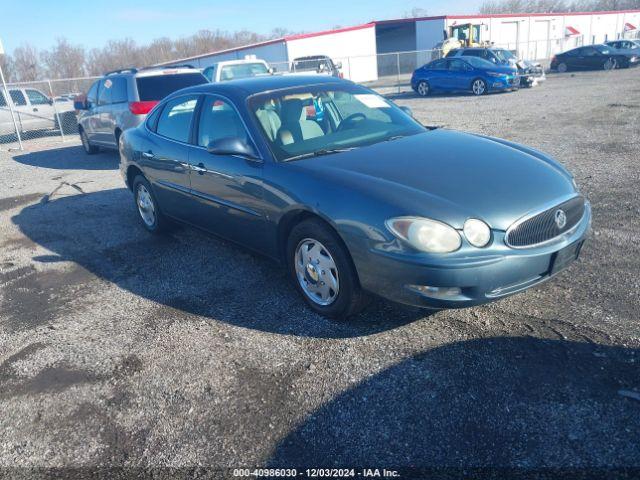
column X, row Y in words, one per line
column 89, row 149
column 562, row 67
column 610, row 64
column 423, row 88
column 322, row 271
column 148, row 210
column 478, row 87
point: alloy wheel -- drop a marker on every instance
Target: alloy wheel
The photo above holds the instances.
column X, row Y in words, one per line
column 562, row 67
column 478, row 87
column 610, row 64
column 145, row 206
column 316, row 272
column 423, row 89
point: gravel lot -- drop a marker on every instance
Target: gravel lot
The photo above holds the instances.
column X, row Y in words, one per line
column 118, row 348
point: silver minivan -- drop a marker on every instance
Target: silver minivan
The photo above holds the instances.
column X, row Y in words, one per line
column 122, row 98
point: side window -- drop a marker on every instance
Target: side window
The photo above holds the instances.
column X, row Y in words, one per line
column 104, row 93
column 119, row 90
column 36, row 97
column 457, row 65
column 3, row 101
column 218, row 119
column 175, row 119
column 475, row 53
column 92, row 95
column 18, row 98
column 209, row 72
column 589, row 52
column 152, row 118
column 438, row 65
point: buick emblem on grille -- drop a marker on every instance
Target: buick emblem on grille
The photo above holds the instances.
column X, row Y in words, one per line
column 560, row 218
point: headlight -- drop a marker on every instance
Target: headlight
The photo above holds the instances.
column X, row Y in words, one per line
column 493, row 74
column 425, row 234
column 477, row 232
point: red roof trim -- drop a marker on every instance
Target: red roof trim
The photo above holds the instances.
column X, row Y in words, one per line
column 503, row 15
column 329, row 32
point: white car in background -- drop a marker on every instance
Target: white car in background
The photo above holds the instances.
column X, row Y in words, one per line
column 33, row 111
column 235, row 69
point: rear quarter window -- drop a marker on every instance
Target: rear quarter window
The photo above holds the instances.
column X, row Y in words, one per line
column 159, row 86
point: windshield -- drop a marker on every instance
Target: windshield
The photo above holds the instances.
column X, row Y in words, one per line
column 316, row 64
column 504, row 55
column 479, row 62
column 243, row 70
column 308, row 121
column 602, row 49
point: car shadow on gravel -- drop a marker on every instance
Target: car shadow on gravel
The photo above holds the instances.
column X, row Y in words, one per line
column 521, row 403
column 184, row 271
column 70, row 158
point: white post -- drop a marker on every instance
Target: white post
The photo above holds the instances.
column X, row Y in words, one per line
column 8, row 99
column 55, row 110
column 398, row 67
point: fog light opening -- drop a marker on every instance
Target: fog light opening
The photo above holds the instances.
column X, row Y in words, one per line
column 436, row 292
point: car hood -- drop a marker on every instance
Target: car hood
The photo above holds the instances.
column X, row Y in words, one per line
column 450, row 176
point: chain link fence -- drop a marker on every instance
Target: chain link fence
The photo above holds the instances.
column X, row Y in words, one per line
column 36, row 114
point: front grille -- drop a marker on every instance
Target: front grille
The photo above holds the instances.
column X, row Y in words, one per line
column 543, row 227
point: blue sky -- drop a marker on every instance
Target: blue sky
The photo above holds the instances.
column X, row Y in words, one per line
column 92, row 23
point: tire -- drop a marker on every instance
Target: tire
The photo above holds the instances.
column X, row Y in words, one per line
column 311, row 246
column 89, row 149
column 562, row 67
column 610, row 64
column 147, row 206
column 478, row 87
column 423, row 88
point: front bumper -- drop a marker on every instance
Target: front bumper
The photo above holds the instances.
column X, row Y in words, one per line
column 492, row 273
column 503, row 83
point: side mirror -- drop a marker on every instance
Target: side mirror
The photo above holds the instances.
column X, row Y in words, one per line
column 232, row 146
column 407, row 110
column 50, row 100
column 80, row 105
column 338, row 65
column 271, row 70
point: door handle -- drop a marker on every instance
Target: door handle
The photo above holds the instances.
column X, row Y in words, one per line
column 148, row 154
column 200, row 168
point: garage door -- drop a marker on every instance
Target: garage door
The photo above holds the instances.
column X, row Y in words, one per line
column 540, row 37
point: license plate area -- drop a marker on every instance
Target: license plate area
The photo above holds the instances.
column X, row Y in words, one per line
column 562, row 258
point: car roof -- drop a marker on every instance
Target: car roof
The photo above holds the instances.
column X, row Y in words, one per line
column 253, row 85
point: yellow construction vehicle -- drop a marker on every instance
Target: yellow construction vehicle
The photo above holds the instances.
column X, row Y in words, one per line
column 467, row 34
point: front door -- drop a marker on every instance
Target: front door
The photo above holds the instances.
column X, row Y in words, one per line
column 42, row 109
column 227, row 189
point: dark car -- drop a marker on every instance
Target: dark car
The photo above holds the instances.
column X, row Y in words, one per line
column 592, row 57
column 467, row 74
column 353, row 195
column 530, row 72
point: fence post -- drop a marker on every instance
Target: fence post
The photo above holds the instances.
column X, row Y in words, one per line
column 10, row 104
column 398, row 67
column 349, row 68
column 55, row 110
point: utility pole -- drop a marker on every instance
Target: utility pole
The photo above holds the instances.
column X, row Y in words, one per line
column 7, row 97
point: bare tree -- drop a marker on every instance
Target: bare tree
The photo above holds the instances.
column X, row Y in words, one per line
column 6, row 63
column 544, row 6
column 26, row 65
column 64, row 60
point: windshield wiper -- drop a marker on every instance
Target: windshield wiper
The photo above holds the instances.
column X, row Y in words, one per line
column 318, row 153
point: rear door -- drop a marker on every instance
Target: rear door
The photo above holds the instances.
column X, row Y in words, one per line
column 21, row 108
column 165, row 158
column 227, row 189
column 41, row 108
column 102, row 135
column 89, row 118
column 6, row 120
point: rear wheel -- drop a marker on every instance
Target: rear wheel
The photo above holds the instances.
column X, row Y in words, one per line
column 322, row 271
column 423, row 88
column 86, row 144
column 562, row 67
column 478, row 87
column 148, row 210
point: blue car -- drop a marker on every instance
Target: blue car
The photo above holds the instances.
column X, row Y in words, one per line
column 464, row 74
column 352, row 195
